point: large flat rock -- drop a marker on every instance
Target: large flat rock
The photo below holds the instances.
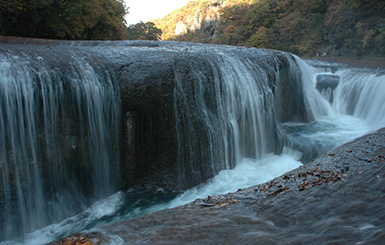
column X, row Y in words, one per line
column 337, row 198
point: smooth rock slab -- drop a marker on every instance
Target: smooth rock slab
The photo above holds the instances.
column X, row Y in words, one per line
column 337, row 198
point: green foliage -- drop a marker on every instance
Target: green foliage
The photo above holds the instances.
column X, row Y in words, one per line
column 303, row 27
column 261, row 14
column 63, row 19
column 354, row 26
column 262, row 38
column 380, row 38
column 143, row 31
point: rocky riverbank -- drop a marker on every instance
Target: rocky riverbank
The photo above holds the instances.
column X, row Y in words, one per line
column 337, row 198
column 361, row 62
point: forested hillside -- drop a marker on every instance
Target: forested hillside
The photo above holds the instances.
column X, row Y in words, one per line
column 69, row 19
column 303, row 27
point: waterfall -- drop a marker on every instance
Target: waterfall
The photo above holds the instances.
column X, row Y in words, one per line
column 319, row 106
column 361, row 93
column 58, row 141
column 225, row 112
column 357, row 92
column 348, row 107
column 190, row 112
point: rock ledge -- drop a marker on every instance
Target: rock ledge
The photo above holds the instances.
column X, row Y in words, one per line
column 337, row 198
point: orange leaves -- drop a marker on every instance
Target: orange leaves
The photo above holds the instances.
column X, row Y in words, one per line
column 72, row 240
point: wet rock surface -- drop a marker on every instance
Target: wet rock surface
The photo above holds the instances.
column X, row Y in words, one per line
column 337, row 198
column 326, row 81
column 112, row 116
column 151, row 77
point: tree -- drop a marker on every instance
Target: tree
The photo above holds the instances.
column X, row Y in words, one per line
column 143, row 31
column 63, row 19
column 303, row 27
column 110, row 22
column 262, row 38
column 339, row 21
column 20, row 17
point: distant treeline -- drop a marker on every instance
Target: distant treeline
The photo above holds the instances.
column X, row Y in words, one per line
column 303, row 27
column 71, row 20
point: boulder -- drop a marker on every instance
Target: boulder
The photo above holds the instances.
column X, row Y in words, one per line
column 326, row 81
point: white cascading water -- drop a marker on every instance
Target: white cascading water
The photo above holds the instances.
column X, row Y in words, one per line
column 240, row 123
column 243, row 98
column 244, row 105
column 330, row 129
column 41, row 109
column 21, row 168
column 320, row 107
column 333, row 126
column 361, row 93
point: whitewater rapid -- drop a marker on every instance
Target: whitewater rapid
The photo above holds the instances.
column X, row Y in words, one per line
column 357, row 109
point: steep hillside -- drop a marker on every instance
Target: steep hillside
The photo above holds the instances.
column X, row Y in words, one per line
column 303, row 27
column 198, row 20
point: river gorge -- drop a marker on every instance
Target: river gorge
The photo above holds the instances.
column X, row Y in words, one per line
column 93, row 133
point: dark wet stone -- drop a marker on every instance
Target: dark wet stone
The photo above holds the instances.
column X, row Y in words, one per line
column 337, row 198
column 146, row 73
column 325, row 81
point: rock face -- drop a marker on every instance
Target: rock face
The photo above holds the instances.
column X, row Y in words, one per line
column 170, row 106
column 326, row 85
column 201, row 21
column 290, row 106
column 327, row 81
column 337, row 198
column 169, row 91
column 136, row 114
column 180, row 28
column 149, row 135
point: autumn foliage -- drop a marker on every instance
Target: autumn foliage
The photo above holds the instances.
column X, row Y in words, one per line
column 63, row 19
column 303, row 27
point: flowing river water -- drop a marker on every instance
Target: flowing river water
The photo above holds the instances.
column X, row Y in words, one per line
column 352, row 109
